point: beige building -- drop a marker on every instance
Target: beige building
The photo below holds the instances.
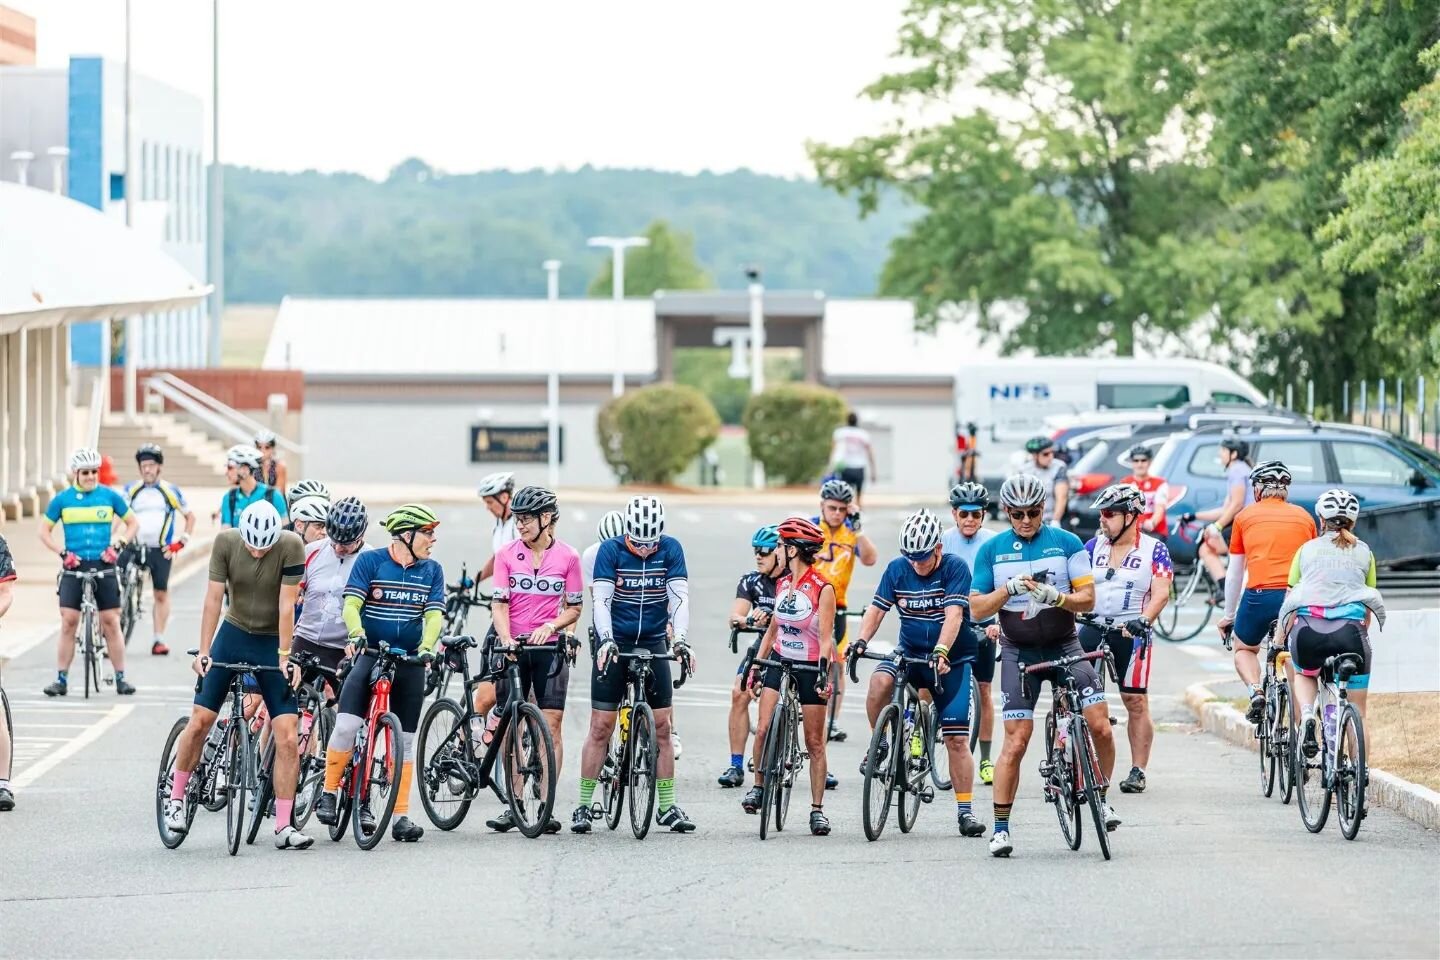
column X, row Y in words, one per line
column 17, row 38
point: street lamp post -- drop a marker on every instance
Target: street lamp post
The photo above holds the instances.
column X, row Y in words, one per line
column 552, row 279
column 617, row 247
column 215, row 212
column 552, row 385
column 757, row 354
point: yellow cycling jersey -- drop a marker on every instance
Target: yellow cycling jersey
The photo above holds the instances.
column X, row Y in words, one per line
column 836, row 559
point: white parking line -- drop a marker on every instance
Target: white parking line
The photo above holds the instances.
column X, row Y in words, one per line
column 47, row 763
column 1201, row 651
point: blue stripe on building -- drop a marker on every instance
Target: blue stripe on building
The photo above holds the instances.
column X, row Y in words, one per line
column 86, row 133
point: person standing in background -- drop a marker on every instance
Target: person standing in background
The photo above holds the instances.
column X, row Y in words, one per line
column 851, row 452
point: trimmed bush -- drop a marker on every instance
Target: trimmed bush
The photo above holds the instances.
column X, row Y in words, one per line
column 651, row 434
column 789, row 428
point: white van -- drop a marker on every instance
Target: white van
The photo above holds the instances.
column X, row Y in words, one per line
column 1006, row 400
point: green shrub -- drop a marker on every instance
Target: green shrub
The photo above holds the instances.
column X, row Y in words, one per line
column 789, row 428
column 651, row 434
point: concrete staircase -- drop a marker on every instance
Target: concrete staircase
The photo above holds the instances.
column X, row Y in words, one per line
column 192, row 459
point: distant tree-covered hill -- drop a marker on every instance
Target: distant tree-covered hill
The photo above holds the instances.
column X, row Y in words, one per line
column 425, row 233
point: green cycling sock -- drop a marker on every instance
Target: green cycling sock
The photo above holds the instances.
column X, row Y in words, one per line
column 984, row 749
column 587, row 791
column 666, row 789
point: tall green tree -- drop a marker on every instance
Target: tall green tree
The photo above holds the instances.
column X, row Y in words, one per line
column 667, row 263
column 1068, row 190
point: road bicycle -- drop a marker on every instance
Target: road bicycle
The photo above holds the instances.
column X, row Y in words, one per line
column 226, row 771
column 132, row 588
column 89, row 639
column 902, row 752
column 517, row 734
column 630, row 763
column 371, row 780
column 832, row 710
column 460, row 598
column 1186, row 583
column 783, row 756
column 1276, row 731
column 1071, row 768
column 1338, row 771
column 315, row 723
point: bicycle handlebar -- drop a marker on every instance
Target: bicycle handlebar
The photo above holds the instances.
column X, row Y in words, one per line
column 782, row 663
column 735, row 635
column 648, row 655
column 235, row 667
column 89, row 574
column 894, row 656
column 1063, row 662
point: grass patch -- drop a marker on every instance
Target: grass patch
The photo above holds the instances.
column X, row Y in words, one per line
column 1404, row 735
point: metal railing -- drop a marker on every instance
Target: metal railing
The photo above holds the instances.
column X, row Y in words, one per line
column 223, row 419
column 1409, row 408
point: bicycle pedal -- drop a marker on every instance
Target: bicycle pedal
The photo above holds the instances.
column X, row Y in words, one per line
column 927, row 795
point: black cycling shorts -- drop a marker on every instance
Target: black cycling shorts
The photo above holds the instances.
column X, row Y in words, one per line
column 1312, row 641
column 855, row 476
column 1019, row 691
column 406, row 693
column 804, row 683
column 329, row 657
column 986, row 651
column 608, row 689
column 548, row 692
column 107, row 589
column 233, row 645
column 153, row 559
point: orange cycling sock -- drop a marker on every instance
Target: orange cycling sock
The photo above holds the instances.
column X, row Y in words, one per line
column 335, row 763
column 402, row 799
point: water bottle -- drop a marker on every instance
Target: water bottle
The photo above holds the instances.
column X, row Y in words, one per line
column 624, row 724
column 307, row 720
column 212, row 743
column 1062, row 735
column 916, row 747
column 1329, row 724
column 492, row 723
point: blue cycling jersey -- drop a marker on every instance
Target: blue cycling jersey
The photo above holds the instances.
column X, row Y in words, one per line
column 87, row 518
column 922, row 600
column 396, row 598
column 1055, row 556
column 954, row 542
column 639, row 610
column 235, row 501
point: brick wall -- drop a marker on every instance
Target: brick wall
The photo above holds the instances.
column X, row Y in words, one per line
column 244, row 390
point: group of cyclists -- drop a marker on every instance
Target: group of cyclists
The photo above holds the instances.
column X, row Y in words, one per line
column 292, row 582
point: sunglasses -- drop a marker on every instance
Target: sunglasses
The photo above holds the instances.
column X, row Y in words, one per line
column 920, row 557
column 1111, row 514
column 1046, row 453
column 764, row 551
column 1139, row 459
column 429, row 531
column 1033, row 514
column 970, row 514
column 87, row 473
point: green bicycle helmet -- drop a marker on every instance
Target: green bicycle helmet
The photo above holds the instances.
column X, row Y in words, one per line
column 410, row 516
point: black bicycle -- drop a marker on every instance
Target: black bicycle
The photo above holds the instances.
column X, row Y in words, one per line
column 315, row 723
column 1071, row 768
column 902, row 751
column 230, row 773
column 132, row 588
column 452, row 776
column 630, row 763
column 832, row 710
column 89, row 641
column 784, row 754
column 460, row 598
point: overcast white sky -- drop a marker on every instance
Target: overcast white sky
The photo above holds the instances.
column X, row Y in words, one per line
column 680, row 85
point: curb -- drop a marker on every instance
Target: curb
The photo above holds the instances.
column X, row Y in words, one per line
column 1410, row 800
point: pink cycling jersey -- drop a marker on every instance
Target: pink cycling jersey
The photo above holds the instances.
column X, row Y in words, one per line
column 797, row 616
column 535, row 596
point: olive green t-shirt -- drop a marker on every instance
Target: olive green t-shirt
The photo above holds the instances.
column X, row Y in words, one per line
column 255, row 584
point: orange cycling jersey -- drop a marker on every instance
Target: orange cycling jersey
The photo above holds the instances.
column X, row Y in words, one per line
column 1268, row 533
column 836, row 559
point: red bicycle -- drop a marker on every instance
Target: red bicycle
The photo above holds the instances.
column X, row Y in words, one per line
column 373, row 777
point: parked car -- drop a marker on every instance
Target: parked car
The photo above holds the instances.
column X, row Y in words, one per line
column 1379, row 468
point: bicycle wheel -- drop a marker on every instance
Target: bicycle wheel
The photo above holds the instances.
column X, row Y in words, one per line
column 1312, row 791
column 384, row 758
column 772, row 767
column 1268, row 761
column 92, row 667
column 936, row 751
column 1351, row 773
column 1169, row 625
column 832, row 708
column 446, row 769
column 10, row 733
column 1282, row 741
column 264, row 791
column 237, row 760
column 130, row 609
column 310, row 782
column 881, row 768
column 342, row 804
column 1061, row 788
column 642, row 769
column 910, row 777
column 529, row 753
column 163, row 784
column 1089, row 763
column 974, row 720
column 613, row 776
column 789, row 770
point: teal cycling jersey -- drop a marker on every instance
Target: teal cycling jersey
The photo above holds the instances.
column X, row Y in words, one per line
column 235, row 501
column 87, row 518
column 1055, row 556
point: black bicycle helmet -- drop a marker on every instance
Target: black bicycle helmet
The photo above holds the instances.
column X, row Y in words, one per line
column 1139, row 450
column 149, row 451
column 1235, row 445
column 1038, row 444
column 969, row 494
column 533, row 500
column 348, row 520
column 837, row 490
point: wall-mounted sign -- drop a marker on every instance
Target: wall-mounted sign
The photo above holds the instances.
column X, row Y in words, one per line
column 513, row 444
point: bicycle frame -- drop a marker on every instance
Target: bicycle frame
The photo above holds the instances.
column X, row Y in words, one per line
column 89, row 628
column 510, row 712
column 1065, row 698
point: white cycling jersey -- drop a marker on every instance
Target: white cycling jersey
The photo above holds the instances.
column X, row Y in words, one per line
column 321, row 594
column 1122, row 592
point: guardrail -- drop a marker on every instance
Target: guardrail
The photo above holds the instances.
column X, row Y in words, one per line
column 1413, row 412
column 222, row 418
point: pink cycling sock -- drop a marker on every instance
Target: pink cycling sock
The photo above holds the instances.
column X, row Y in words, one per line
column 177, row 789
column 282, row 813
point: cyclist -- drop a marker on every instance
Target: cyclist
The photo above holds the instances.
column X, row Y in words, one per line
column 1132, row 572
column 641, row 591
column 307, row 518
column 1052, row 472
column 260, row 565
column 931, row 588
column 851, row 451
column 1263, row 543
column 248, row 489
column 157, row 504
column 1234, row 457
column 1156, row 490
column 538, row 591
column 320, row 629
column 394, row 598
column 611, row 525
column 754, row 603
column 1327, row 611
column 800, row 629
column 968, row 502
column 88, row 512
column 7, row 597
column 496, row 491
column 1040, row 565
column 839, row 520
column 272, row 472
column 307, row 488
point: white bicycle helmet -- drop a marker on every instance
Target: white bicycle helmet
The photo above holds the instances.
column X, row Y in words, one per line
column 264, row 438
column 611, row 525
column 1022, row 490
column 644, row 519
column 301, row 489
column 243, row 456
column 84, row 459
column 313, row 509
column 919, row 533
column 1125, row 497
column 496, row 484
column 1337, row 504
column 260, row 525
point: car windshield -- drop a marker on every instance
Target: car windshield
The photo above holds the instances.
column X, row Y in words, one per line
column 1429, row 459
column 1094, row 459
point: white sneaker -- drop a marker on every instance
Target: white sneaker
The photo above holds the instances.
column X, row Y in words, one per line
column 175, row 816
column 1000, row 845
column 1111, row 820
column 288, row 838
column 675, row 743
